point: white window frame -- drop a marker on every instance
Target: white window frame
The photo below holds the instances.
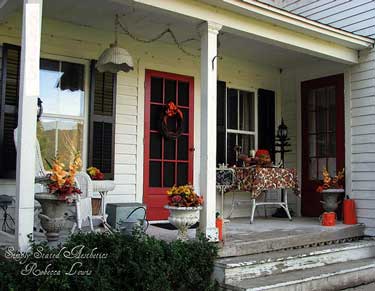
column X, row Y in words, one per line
column 85, row 117
column 237, row 131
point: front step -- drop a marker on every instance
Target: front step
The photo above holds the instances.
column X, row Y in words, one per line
column 230, row 270
column 330, row 277
column 254, row 243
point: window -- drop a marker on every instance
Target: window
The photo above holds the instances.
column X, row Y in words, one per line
column 235, row 123
column 60, row 130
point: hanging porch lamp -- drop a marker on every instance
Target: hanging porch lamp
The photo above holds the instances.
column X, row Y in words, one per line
column 115, row 58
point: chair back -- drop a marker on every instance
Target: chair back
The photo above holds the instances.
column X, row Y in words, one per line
column 40, row 171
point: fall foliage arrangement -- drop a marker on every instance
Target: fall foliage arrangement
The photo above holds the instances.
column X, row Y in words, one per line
column 95, row 173
column 337, row 182
column 62, row 182
column 184, row 196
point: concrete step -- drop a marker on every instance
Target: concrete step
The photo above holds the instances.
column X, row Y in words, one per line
column 266, row 241
column 229, row 270
column 330, row 277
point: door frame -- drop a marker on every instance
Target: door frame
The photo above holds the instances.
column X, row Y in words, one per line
column 146, row 124
column 339, row 80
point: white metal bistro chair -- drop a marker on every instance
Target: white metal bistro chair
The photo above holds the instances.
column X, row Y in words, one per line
column 83, row 205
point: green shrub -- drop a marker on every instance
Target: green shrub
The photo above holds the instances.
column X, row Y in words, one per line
column 118, row 262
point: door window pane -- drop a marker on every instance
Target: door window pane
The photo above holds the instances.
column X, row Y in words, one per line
column 312, row 122
column 182, row 174
column 169, row 149
column 322, row 164
column 312, row 145
column 155, row 146
column 169, row 171
column 313, row 169
column 183, row 147
column 183, row 93
column 170, row 91
column 157, row 90
column 155, row 174
column 321, row 145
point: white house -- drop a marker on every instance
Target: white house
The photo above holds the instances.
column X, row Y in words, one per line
column 226, row 54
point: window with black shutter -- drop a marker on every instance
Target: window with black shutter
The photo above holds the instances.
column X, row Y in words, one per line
column 102, row 121
column 9, row 109
column 235, row 123
column 266, row 121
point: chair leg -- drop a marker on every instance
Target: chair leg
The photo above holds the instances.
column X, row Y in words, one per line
column 91, row 224
column 253, row 206
column 73, row 228
column 265, row 206
column 286, row 208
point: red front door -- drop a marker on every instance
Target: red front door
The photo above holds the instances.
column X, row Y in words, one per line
column 323, row 141
column 167, row 162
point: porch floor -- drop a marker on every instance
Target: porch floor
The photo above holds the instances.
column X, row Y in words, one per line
column 265, row 234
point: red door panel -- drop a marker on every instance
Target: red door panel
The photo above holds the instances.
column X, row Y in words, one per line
column 166, row 162
column 323, row 141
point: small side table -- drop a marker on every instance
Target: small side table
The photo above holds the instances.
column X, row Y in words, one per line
column 5, row 201
column 103, row 186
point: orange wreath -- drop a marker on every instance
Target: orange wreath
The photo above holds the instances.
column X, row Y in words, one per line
column 171, row 110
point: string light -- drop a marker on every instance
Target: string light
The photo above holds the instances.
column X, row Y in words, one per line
column 159, row 36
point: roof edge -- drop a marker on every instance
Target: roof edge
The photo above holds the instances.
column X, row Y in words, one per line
column 299, row 23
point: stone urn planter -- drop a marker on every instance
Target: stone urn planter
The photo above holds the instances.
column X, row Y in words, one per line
column 183, row 218
column 53, row 216
column 331, row 199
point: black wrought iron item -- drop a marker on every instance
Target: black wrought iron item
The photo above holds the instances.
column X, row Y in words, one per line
column 40, row 109
column 280, row 147
column 282, row 141
column 5, row 201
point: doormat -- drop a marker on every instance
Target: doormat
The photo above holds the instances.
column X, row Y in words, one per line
column 169, row 226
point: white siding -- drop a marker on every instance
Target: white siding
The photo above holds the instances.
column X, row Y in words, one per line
column 357, row 16
column 363, row 138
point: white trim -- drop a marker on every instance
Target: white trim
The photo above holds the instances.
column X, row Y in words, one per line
column 140, row 130
column 348, row 131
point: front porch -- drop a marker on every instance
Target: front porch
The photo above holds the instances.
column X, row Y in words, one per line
column 242, row 238
column 248, row 56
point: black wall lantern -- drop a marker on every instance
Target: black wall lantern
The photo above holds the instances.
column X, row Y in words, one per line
column 282, row 141
column 40, row 109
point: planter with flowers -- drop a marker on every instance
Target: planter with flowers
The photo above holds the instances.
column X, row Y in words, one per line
column 184, row 205
column 331, row 189
column 62, row 190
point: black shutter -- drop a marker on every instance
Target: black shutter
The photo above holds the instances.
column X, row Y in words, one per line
column 266, row 121
column 9, row 109
column 102, row 121
column 221, row 116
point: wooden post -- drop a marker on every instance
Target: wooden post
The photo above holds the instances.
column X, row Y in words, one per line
column 27, row 111
column 209, row 32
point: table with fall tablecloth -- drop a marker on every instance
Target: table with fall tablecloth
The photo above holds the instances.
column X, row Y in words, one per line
column 258, row 179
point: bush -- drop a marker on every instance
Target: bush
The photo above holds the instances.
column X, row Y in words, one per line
column 99, row 262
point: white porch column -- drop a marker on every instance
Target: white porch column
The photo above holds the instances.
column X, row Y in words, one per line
column 27, row 110
column 209, row 32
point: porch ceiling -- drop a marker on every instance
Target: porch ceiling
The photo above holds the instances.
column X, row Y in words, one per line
column 147, row 22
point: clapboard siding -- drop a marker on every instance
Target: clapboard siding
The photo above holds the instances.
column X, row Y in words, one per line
column 363, row 139
column 357, row 16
